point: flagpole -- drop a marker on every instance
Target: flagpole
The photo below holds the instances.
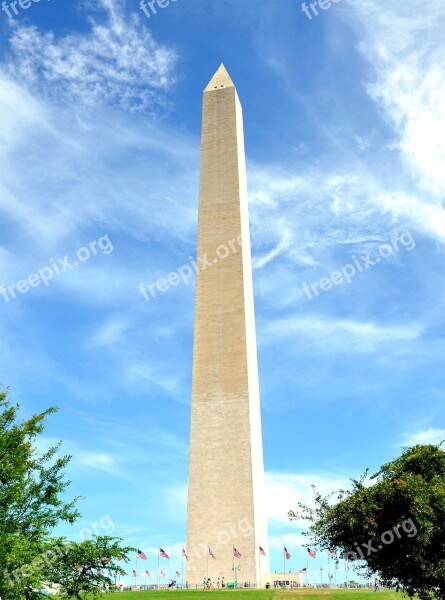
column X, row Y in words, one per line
column 307, row 570
column 284, row 561
column 233, row 564
column 259, row 566
column 329, row 572
column 137, row 574
column 182, row 570
column 158, row 569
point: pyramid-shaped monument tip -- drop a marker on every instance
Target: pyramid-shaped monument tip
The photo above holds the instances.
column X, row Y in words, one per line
column 221, row 79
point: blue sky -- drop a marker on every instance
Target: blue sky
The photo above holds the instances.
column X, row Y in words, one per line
column 345, row 128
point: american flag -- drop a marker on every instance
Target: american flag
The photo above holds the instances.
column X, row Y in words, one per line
column 331, row 552
column 163, row 553
column 184, row 553
column 134, row 573
column 262, row 552
column 178, row 574
column 286, row 553
column 311, row 553
column 303, row 570
column 147, row 574
column 211, row 553
column 105, row 559
column 142, row 555
column 236, row 553
column 162, row 574
column 110, row 574
column 119, row 558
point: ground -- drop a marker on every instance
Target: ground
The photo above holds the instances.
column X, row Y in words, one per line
column 301, row 594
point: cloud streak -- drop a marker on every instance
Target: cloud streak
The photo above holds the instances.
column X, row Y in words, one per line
column 341, row 335
column 117, row 63
column 427, row 436
column 407, row 52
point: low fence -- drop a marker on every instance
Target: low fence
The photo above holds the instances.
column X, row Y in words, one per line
column 186, row 586
column 244, row 585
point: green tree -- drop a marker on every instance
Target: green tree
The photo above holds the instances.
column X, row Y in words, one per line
column 85, row 568
column 31, row 486
column 396, row 525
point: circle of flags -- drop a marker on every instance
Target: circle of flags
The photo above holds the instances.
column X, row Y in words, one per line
column 311, row 553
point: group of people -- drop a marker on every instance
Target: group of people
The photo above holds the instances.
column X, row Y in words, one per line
column 208, row 584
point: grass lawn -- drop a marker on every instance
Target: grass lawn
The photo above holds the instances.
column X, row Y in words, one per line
column 301, row 594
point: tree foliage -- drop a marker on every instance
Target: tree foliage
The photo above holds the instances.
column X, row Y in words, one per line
column 31, row 505
column 32, row 485
column 86, row 568
column 395, row 522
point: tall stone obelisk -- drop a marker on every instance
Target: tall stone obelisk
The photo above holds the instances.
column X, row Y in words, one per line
column 226, row 506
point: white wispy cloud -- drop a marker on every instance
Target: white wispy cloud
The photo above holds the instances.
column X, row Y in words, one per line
column 20, row 109
column 129, row 437
column 259, row 262
column 158, row 375
column 110, row 332
column 117, row 62
column 285, row 490
column 82, row 457
column 100, row 461
column 308, row 219
column 406, row 50
column 159, row 170
column 340, row 335
column 322, row 209
column 427, row 436
column 309, row 227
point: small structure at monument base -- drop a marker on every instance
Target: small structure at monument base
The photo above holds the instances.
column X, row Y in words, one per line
column 282, row 580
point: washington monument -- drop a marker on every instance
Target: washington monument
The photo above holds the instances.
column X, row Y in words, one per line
column 226, row 507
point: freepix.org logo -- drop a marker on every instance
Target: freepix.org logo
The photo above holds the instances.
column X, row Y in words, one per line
column 186, row 272
column 150, row 7
column 387, row 538
column 55, row 268
column 311, row 10
column 358, row 265
column 10, row 8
